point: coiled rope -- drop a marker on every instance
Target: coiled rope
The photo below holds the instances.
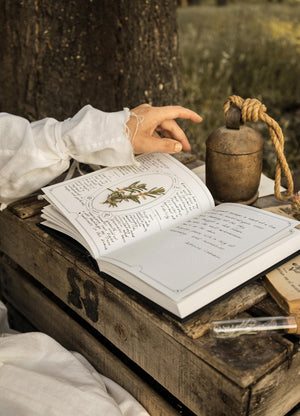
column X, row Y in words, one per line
column 253, row 110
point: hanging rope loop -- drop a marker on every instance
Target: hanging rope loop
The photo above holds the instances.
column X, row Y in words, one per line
column 252, row 110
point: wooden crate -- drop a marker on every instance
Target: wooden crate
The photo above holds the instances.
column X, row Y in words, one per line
column 55, row 287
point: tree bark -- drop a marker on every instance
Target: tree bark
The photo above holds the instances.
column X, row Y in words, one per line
column 57, row 56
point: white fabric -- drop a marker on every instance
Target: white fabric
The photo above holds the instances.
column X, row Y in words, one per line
column 38, row 377
column 33, row 154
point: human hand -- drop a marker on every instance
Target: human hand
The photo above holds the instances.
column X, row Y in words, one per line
column 146, row 122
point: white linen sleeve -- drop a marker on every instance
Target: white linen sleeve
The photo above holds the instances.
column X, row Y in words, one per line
column 33, row 154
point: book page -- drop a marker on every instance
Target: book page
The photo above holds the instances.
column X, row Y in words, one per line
column 192, row 254
column 113, row 207
column 283, row 283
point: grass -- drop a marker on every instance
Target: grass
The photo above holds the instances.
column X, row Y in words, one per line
column 251, row 50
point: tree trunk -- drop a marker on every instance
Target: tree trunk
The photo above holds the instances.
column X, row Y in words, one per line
column 57, row 56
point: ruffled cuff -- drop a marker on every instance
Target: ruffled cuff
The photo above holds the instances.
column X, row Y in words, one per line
column 33, row 154
column 96, row 137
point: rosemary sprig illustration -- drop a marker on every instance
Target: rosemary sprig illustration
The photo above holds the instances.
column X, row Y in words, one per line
column 133, row 192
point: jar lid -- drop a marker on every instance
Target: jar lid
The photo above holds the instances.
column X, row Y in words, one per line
column 236, row 142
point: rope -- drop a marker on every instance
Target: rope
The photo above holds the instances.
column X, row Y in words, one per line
column 253, row 110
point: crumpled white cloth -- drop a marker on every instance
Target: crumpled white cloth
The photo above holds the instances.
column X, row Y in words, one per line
column 33, row 154
column 38, row 377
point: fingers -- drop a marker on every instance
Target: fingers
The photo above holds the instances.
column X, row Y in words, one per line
column 160, row 119
column 171, row 112
column 158, row 144
column 170, row 128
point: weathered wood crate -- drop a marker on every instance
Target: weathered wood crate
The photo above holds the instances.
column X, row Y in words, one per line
column 170, row 368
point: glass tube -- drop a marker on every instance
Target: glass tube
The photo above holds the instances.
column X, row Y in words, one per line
column 253, row 326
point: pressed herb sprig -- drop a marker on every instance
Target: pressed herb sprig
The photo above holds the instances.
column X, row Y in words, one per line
column 133, row 192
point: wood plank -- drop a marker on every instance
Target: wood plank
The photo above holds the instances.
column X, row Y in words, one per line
column 27, row 207
column 187, row 158
column 45, row 316
column 16, row 320
column 131, row 326
column 235, row 303
column 58, row 267
column 267, row 307
column 140, row 332
column 120, row 317
column 278, row 392
column 295, row 411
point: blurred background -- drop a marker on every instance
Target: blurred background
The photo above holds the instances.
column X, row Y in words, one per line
column 57, row 56
column 251, row 49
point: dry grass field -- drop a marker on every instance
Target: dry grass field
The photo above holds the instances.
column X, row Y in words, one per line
column 252, row 50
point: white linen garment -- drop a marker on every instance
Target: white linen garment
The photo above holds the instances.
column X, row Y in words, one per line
column 33, row 154
column 38, row 377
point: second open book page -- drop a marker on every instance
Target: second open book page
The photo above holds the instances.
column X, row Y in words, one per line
column 189, row 255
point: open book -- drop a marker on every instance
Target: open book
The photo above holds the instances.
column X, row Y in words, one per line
column 154, row 228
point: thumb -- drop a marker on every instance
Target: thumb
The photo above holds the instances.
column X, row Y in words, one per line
column 158, row 144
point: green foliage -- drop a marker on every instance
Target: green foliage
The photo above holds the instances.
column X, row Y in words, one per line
column 251, row 50
column 133, row 192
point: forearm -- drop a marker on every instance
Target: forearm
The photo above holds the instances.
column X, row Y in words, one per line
column 33, row 154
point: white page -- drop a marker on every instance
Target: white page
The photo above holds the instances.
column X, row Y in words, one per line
column 58, row 222
column 188, row 256
column 183, row 304
column 105, row 228
column 261, row 261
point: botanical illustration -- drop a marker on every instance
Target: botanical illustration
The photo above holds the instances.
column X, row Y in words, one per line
column 134, row 192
